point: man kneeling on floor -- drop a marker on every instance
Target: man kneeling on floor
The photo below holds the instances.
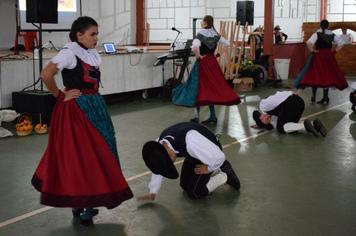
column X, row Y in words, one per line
column 287, row 107
column 204, row 167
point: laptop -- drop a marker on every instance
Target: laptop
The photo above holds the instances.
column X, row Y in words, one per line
column 188, row 44
column 109, row 48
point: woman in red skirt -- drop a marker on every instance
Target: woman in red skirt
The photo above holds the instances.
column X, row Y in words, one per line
column 80, row 167
column 322, row 70
column 206, row 85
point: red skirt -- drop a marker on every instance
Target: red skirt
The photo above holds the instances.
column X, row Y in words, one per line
column 78, row 168
column 324, row 72
column 213, row 88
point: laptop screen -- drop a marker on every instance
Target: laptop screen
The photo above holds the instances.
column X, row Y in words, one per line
column 188, row 44
column 109, row 47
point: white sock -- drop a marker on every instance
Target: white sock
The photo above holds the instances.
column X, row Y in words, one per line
column 196, row 113
column 216, row 180
column 292, row 127
column 217, row 171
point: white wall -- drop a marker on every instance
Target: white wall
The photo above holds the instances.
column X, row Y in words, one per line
column 116, row 19
column 162, row 15
column 8, row 25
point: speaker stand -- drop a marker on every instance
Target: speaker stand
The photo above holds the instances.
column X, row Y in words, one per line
column 40, row 51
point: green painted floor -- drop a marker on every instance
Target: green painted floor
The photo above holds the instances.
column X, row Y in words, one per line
column 291, row 185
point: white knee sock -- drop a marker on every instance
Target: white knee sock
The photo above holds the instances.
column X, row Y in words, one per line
column 216, row 180
column 292, row 127
column 217, row 171
column 196, row 112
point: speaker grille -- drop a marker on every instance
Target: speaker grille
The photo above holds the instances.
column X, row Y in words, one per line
column 245, row 12
column 42, row 11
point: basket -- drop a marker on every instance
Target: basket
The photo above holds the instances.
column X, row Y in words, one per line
column 24, row 133
column 24, row 116
column 41, row 131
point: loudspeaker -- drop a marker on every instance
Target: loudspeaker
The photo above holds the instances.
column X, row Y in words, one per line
column 35, row 103
column 244, row 12
column 42, row 11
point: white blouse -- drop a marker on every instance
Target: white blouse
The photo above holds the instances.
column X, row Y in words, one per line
column 314, row 38
column 66, row 58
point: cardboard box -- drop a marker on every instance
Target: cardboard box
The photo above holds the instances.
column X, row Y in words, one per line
column 243, row 84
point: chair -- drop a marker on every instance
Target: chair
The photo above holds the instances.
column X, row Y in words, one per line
column 179, row 64
column 28, row 36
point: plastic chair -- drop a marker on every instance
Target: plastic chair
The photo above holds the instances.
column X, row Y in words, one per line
column 29, row 36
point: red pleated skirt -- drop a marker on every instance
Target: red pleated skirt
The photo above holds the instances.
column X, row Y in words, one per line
column 213, row 88
column 78, row 168
column 324, row 72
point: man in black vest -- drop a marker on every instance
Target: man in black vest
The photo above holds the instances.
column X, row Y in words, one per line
column 287, row 107
column 204, row 167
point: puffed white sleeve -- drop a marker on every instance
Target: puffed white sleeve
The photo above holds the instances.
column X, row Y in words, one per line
column 313, row 39
column 353, row 87
column 196, row 43
column 204, row 150
column 64, row 59
column 223, row 42
column 155, row 184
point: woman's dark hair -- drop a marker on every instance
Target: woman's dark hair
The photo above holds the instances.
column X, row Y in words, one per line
column 210, row 22
column 81, row 25
column 324, row 24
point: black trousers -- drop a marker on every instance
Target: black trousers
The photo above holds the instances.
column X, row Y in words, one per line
column 193, row 184
column 291, row 111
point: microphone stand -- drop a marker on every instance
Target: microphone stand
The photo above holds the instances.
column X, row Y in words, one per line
column 174, row 46
column 49, row 45
column 17, row 53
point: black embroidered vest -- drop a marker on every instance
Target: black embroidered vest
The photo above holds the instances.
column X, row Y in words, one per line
column 82, row 76
column 208, row 44
column 324, row 41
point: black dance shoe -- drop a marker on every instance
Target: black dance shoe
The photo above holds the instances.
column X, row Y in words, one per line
column 215, row 120
column 87, row 222
column 111, row 207
column 195, row 120
column 324, row 100
column 310, row 128
column 232, row 179
column 353, row 108
column 319, row 127
column 77, row 211
column 312, row 99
